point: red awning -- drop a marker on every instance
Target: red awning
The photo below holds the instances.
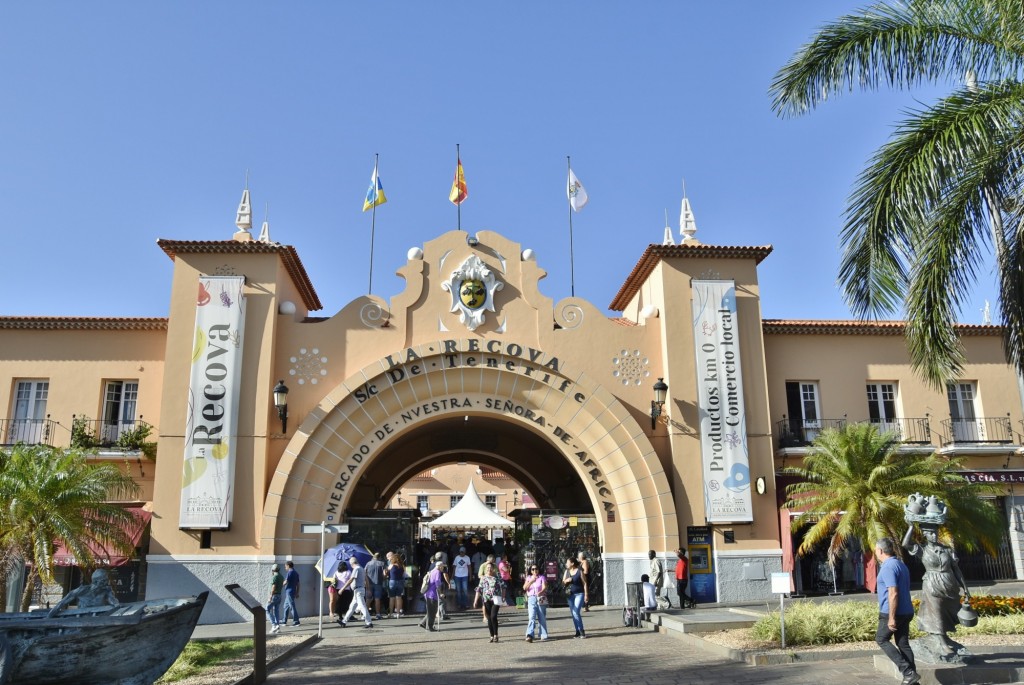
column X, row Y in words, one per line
column 63, row 557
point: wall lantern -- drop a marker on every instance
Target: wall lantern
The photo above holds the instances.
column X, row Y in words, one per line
column 660, row 392
column 281, row 402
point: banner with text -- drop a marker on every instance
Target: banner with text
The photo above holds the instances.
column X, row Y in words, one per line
column 723, row 425
column 208, row 472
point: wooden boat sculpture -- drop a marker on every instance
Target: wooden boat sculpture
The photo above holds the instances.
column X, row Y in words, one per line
column 132, row 644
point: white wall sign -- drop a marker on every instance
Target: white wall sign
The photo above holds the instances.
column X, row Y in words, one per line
column 208, row 472
column 723, row 426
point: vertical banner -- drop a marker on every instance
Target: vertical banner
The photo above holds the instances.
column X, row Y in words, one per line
column 208, row 472
column 723, row 425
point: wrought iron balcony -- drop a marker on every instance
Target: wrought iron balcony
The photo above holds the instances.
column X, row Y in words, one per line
column 988, row 429
column 100, row 433
column 801, row 433
column 909, row 431
column 27, row 431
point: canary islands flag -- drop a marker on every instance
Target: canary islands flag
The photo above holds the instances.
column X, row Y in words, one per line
column 576, row 192
column 375, row 194
column 459, row 191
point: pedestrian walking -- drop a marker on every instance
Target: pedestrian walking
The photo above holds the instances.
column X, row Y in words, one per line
column 460, row 575
column 274, row 602
column 433, row 582
column 358, row 582
column 291, row 593
column 584, row 564
column 895, row 611
column 488, row 594
column 576, row 589
column 536, row 590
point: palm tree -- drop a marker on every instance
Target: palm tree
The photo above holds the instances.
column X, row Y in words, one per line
column 920, row 220
column 50, row 496
column 855, row 483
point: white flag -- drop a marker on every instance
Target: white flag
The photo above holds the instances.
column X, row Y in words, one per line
column 576, row 192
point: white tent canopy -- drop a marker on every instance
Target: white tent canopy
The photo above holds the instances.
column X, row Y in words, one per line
column 470, row 512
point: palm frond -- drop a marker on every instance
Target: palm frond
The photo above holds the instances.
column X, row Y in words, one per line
column 901, row 45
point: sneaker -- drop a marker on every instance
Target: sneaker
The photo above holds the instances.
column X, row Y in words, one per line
column 368, row 625
column 276, row 627
column 911, row 679
column 576, row 636
column 296, row 624
column 529, row 638
column 377, row 617
column 583, row 636
column 342, row 624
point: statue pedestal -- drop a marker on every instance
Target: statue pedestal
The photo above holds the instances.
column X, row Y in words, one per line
column 991, row 664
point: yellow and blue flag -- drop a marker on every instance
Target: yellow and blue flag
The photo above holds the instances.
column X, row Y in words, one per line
column 375, row 195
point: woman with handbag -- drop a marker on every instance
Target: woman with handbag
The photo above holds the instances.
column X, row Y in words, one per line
column 488, row 592
column 536, row 589
column 576, row 591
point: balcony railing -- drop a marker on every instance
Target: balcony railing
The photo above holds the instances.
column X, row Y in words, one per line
column 91, row 433
column 909, row 431
column 28, row 431
column 988, row 429
column 801, row 433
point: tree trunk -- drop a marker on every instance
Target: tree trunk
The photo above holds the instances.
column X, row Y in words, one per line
column 30, row 586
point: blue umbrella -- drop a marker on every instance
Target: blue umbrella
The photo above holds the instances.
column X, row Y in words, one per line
column 340, row 554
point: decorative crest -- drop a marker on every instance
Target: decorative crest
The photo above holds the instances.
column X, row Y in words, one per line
column 472, row 287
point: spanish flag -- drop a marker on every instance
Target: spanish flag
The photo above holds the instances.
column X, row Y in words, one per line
column 459, row 192
column 375, row 195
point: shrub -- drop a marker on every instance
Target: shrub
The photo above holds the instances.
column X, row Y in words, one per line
column 831, row 622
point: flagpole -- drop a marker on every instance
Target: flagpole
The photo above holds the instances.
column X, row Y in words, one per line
column 373, row 219
column 572, row 267
column 458, row 161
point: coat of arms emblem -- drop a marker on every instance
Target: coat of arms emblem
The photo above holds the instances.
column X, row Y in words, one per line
column 472, row 287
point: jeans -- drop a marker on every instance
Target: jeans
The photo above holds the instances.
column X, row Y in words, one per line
column 491, row 611
column 358, row 602
column 684, row 598
column 538, row 614
column 289, row 605
column 900, row 654
column 274, row 609
column 462, row 591
column 575, row 607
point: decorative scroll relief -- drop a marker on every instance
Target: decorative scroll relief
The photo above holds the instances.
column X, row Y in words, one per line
column 631, row 368
column 472, row 287
column 308, row 366
column 372, row 315
column 570, row 316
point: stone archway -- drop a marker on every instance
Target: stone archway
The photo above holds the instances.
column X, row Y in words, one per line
column 585, row 423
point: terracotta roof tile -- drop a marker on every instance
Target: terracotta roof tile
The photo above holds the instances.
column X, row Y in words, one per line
column 292, row 263
column 78, row 323
column 655, row 253
column 622, row 321
column 855, row 327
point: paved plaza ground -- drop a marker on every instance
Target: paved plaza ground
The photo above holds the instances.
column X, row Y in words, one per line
column 398, row 652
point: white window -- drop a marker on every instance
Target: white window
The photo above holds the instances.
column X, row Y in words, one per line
column 423, row 503
column 29, row 417
column 882, row 407
column 804, row 414
column 962, row 412
column 453, row 500
column 119, row 403
column 492, row 502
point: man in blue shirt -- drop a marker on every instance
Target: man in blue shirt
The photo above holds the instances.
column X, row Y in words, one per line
column 291, row 592
column 895, row 610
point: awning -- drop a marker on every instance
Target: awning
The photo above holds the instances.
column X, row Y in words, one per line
column 63, row 557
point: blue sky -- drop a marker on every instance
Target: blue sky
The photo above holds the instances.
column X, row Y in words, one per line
column 124, row 122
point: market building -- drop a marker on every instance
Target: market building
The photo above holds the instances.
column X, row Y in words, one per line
column 659, row 428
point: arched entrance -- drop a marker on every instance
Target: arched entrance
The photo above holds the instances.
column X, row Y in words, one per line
column 561, row 433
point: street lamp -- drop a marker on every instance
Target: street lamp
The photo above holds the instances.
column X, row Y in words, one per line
column 281, row 402
column 660, row 391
